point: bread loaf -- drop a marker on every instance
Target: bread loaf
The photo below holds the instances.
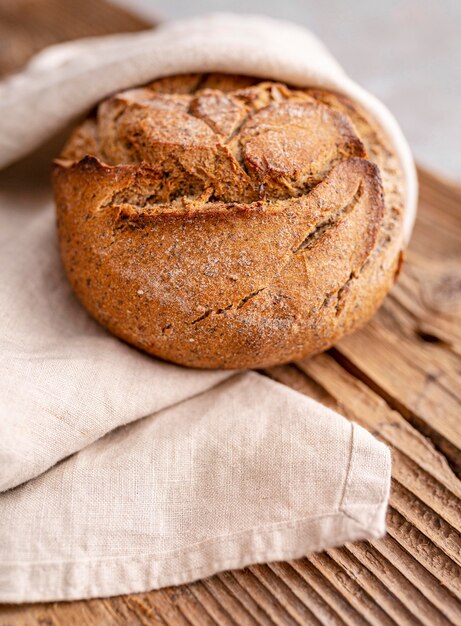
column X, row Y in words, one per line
column 224, row 221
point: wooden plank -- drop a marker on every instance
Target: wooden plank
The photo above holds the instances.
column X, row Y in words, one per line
column 240, row 594
column 27, row 26
column 307, row 594
column 312, row 576
column 381, row 593
column 398, row 377
column 413, row 365
column 419, row 576
column 350, row 589
column 262, row 596
column 278, row 585
column 235, row 600
column 408, row 594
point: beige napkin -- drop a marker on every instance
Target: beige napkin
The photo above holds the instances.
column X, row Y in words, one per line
column 225, row 469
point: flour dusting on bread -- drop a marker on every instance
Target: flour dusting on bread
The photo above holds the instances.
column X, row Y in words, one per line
column 225, row 221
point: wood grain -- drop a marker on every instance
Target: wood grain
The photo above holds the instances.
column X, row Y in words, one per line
column 399, row 377
column 27, row 26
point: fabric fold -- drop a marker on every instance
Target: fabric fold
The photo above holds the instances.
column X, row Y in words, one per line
column 247, row 472
column 365, row 492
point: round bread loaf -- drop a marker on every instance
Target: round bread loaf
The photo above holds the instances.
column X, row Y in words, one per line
column 223, row 221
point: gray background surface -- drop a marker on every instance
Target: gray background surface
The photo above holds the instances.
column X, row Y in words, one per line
column 407, row 52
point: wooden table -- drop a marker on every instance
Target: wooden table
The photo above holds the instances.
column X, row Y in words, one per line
column 399, row 377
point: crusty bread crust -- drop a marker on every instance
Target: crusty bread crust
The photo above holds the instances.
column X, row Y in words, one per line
column 220, row 221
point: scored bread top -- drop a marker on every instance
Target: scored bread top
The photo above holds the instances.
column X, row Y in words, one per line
column 289, row 201
column 262, row 141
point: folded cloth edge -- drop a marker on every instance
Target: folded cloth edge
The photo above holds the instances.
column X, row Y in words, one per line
column 104, row 577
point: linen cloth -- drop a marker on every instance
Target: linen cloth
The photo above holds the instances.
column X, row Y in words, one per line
column 122, row 473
